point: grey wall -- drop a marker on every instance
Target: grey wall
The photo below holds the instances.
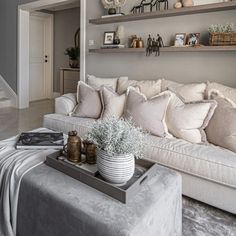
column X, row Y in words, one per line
column 183, row 67
column 66, row 23
column 8, row 40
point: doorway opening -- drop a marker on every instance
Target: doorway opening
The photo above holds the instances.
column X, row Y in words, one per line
column 41, row 52
column 45, row 30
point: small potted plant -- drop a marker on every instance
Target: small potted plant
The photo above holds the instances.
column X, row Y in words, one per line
column 222, row 35
column 118, row 143
column 73, row 53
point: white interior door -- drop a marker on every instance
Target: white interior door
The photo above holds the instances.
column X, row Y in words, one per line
column 40, row 71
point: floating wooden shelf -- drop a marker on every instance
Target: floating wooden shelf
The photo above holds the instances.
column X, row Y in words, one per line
column 225, row 6
column 168, row 49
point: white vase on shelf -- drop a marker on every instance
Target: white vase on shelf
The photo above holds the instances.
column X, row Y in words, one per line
column 120, row 32
column 188, row 3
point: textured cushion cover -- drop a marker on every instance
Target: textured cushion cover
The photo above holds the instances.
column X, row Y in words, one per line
column 113, row 103
column 149, row 88
column 165, row 83
column 149, row 114
column 190, row 92
column 226, row 91
column 89, row 102
column 188, row 120
column 65, row 124
column 221, row 130
column 97, row 82
column 65, row 104
column 205, row 161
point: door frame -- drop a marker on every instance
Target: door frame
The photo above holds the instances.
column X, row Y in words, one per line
column 49, row 69
column 23, row 45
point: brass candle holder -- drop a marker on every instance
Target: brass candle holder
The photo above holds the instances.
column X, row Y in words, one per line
column 73, row 147
column 90, row 152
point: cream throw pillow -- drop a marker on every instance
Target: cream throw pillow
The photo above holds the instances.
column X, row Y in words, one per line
column 149, row 88
column 113, row 103
column 165, row 83
column 148, row 114
column 97, row 82
column 221, row 130
column 189, row 92
column 226, row 91
column 188, row 120
column 89, row 105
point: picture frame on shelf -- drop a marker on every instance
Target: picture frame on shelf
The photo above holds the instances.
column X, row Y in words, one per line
column 180, row 40
column 109, row 37
column 193, row 39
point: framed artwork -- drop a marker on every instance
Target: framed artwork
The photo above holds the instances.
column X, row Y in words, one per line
column 109, row 37
column 180, row 39
column 193, row 39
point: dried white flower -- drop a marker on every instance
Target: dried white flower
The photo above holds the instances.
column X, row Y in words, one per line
column 227, row 28
column 118, row 136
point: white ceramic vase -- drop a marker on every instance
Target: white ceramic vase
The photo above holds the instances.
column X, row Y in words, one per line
column 120, row 32
column 117, row 169
column 188, row 3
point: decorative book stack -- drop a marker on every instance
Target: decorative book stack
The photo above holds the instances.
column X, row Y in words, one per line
column 112, row 46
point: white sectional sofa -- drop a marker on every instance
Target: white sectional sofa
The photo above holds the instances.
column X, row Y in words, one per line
column 208, row 171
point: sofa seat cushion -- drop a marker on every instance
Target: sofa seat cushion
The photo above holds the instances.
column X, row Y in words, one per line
column 65, row 124
column 206, row 161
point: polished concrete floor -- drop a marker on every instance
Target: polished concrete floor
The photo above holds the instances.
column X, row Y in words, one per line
column 14, row 121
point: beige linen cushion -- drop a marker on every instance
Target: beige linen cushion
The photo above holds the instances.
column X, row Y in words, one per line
column 165, row 83
column 190, row 92
column 97, row 82
column 148, row 114
column 149, row 88
column 89, row 105
column 226, row 91
column 188, row 120
column 221, row 130
column 113, row 103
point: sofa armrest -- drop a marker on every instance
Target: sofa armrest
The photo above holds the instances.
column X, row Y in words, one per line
column 65, row 104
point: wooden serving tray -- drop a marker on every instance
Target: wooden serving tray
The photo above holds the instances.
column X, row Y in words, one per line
column 144, row 170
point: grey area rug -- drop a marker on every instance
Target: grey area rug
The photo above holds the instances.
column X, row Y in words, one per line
column 200, row 219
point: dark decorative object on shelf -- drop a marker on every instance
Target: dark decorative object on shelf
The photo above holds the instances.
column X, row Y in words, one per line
column 154, row 45
column 116, row 40
column 159, row 2
column 144, row 4
column 150, row 4
column 73, row 147
column 111, row 11
column 138, row 8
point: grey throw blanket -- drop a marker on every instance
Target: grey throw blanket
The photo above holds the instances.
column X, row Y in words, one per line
column 14, row 164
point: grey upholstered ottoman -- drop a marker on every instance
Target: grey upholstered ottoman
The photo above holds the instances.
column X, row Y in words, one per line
column 51, row 203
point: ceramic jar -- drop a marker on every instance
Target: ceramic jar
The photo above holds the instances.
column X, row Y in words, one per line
column 117, row 169
column 187, row 3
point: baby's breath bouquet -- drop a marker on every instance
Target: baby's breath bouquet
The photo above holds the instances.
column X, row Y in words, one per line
column 118, row 136
column 219, row 28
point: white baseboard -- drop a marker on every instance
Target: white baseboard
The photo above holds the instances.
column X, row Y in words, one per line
column 56, row 94
column 9, row 92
